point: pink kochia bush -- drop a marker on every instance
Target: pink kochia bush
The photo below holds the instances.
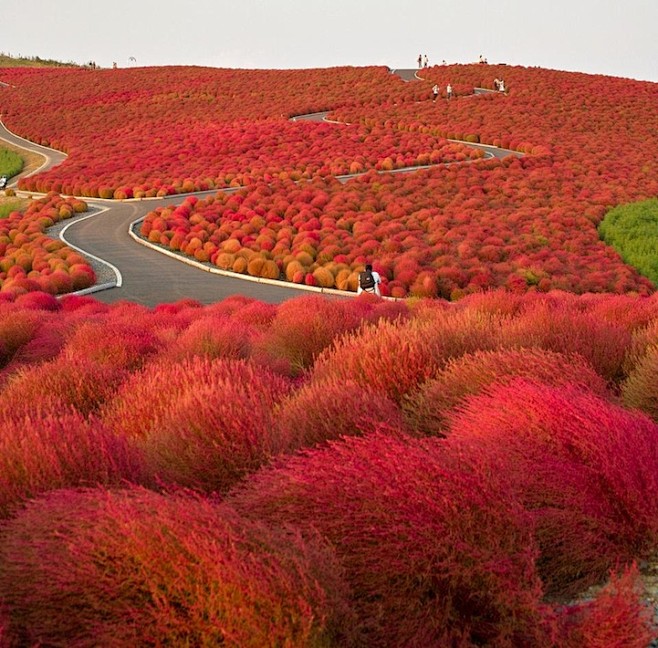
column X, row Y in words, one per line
column 134, row 568
column 219, row 427
column 436, row 552
column 586, row 469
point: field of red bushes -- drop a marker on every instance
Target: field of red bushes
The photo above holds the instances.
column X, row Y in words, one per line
column 323, row 473
column 523, row 224
column 328, row 473
column 32, row 261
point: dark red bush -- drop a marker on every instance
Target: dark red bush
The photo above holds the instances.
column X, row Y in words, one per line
column 53, row 449
column 434, row 552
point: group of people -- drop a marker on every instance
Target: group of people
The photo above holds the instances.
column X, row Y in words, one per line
column 436, row 91
column 499, row 84
column 423, row 61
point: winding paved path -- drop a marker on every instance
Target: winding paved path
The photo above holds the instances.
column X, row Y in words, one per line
column 147, row 275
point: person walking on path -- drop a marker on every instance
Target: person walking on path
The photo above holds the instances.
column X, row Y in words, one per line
column 426, row 61
column 369, row 281
column 420, row 61
column 435, row 92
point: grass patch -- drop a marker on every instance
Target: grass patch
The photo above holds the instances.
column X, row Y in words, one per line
column 8, row 205
column 11, row 162
column 633, row 231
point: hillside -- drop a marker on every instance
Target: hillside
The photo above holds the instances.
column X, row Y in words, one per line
column 461, row 223
column 7, row 60
column 474, row 466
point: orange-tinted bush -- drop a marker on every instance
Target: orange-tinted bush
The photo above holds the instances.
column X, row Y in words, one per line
column 302, row 328
column 640, row 389
column 616, row 617
column 218, row 426
column 133, row 568
column 322, row 411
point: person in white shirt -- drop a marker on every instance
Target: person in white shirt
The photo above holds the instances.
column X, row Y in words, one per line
column 435, row 92
column 369, row 281
column 449, row 91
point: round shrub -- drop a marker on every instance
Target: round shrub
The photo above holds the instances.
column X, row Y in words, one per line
column 215, row 426
column 584, row 467
column 323, row 411
column 435, row 555
column 426, row 409
column 557, row 326
column 395, row 357
column 134, row 568
column 302, row 328
column 212, row 337
column 75, row 382
column 45, row 450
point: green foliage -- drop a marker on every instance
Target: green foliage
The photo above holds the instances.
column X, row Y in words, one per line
column 633, row 231
column 7, row 206
column 10, row 163
column 7, row 60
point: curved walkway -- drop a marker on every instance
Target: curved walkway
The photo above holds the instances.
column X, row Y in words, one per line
column 151, row 275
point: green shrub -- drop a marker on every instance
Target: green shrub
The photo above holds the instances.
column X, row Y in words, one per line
column 10, row 163
column 633, row 231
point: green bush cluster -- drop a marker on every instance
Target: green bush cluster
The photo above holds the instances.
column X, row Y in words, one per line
column 633, row 231
column 10, row 162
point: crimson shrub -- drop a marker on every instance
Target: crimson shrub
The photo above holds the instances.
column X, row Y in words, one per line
column 584, row 468
column 434, row 549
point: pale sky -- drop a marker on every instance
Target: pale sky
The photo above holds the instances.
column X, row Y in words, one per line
column 611, row 37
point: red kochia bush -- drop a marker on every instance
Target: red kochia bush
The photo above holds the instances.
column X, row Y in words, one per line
column 394, row 357
column 327, row 410
column 617, row 617
column 112, row 343
column 216, row 426
column 78, row 383
column 134, row 568
column 213, row 337
column 43, row 451
column 302, row 328
column 427, row 408
column 557, row 325
column 435, row 554
column 587, row 469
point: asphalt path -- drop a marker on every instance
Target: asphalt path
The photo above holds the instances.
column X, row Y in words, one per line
column 150, row 275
